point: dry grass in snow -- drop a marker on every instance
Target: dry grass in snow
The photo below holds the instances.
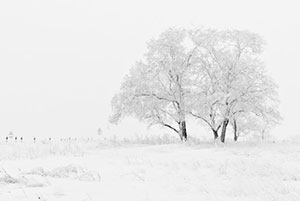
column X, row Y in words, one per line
column 242, row 171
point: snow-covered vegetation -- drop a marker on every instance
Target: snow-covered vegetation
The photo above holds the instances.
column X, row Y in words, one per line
column 131, row 170
column 215, row 76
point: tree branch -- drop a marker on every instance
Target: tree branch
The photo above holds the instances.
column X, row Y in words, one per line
column 199, row 117
column 168, row 126
column 153, row 95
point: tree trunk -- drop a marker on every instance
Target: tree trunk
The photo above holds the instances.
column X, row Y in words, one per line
column 235, row 130
column 224, row 126
column 215, row 132
column 182, row 131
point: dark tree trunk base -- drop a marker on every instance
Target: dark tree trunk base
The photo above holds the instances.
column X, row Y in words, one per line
column 235, row 130
column 182, row 131
column 224, row 127
column 216, row 135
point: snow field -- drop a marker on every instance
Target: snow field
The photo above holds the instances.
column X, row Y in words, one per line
column 243, row 171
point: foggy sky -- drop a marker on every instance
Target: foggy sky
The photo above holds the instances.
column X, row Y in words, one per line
column 61, row 61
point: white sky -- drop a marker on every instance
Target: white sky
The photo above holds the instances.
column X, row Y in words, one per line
column 61, row 61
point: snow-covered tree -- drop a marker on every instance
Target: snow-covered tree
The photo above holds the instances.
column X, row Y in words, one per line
column 235, row 79
column 216, row 76
column 157, row 90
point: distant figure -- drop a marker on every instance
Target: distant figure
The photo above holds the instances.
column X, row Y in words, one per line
column 21, row 138
column 6, row 138
column 34, row 139
column 49, row 138
column 16, row 139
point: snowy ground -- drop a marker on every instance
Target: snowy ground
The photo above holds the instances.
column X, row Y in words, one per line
column 76, row 172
